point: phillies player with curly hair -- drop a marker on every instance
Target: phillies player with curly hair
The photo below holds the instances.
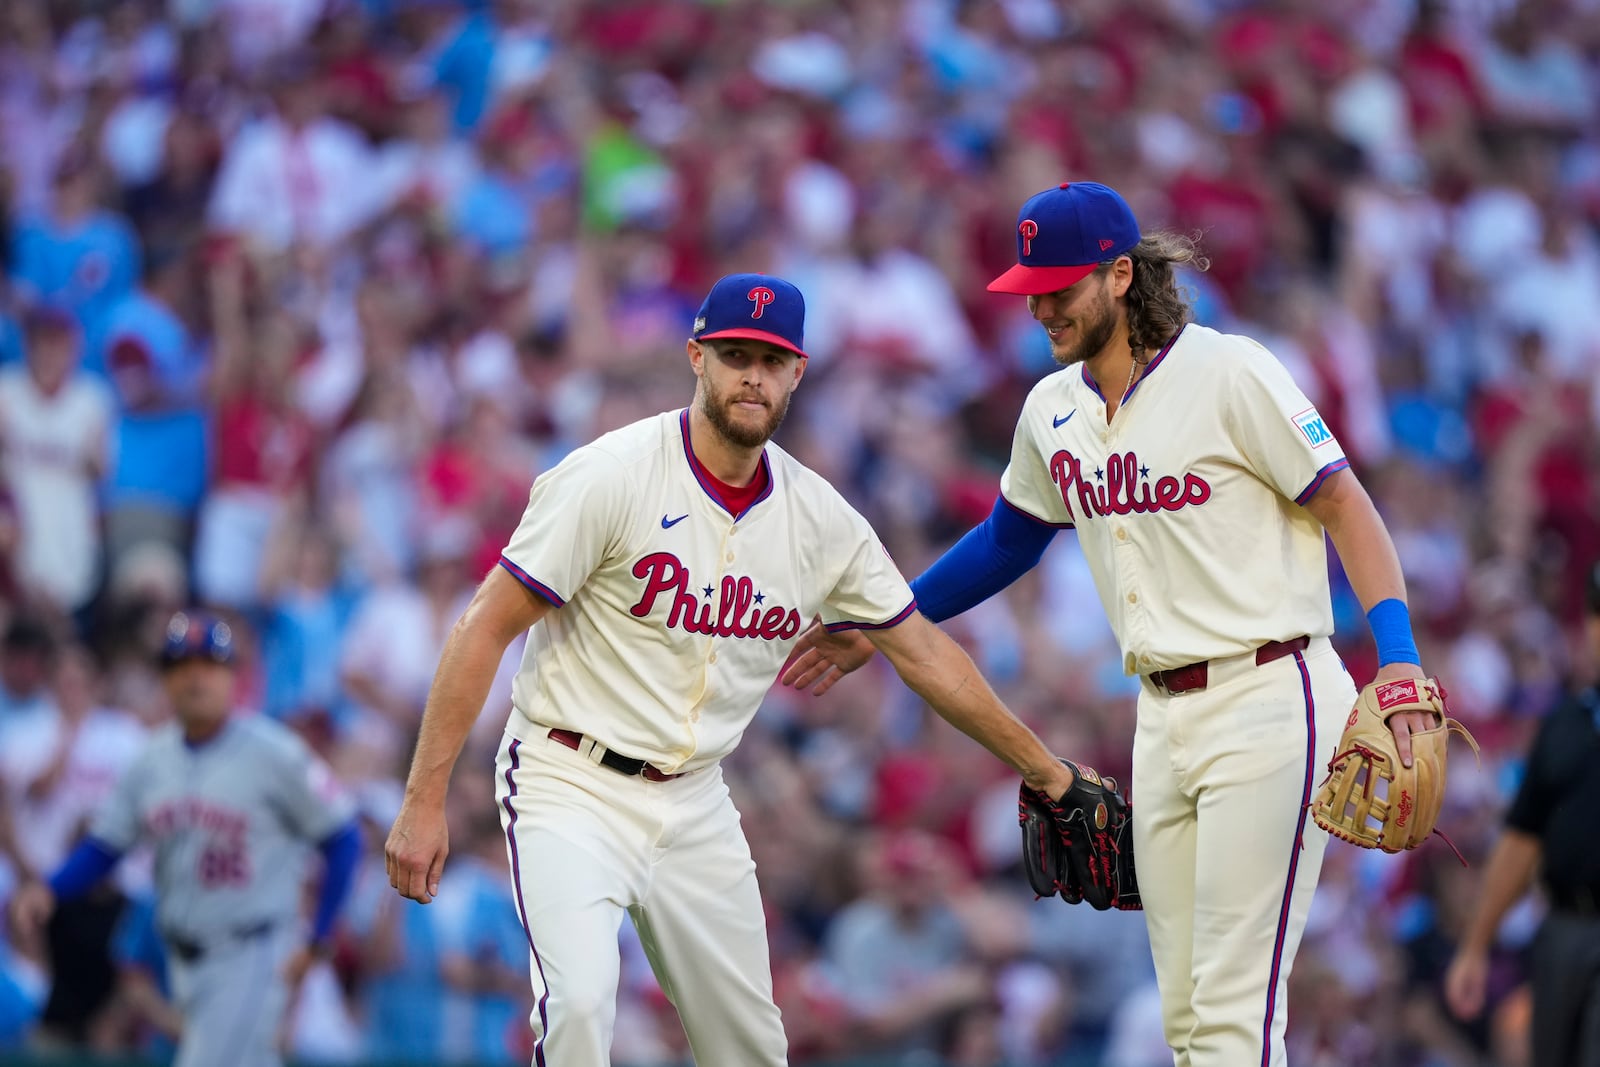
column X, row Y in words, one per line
column 1200, row 481
column 665, row 571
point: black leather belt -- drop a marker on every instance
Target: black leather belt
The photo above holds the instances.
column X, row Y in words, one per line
column 620, row 764
column 1195, row 675
column 189, row 951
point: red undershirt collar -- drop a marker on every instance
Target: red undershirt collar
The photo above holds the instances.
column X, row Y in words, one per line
column 735, row 498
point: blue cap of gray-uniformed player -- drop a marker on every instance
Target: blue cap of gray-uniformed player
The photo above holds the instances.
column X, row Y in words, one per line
column 197, row 635
column 1063, row 234
column 756, row 307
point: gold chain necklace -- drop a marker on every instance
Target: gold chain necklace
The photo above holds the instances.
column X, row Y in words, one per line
column 1133, row 368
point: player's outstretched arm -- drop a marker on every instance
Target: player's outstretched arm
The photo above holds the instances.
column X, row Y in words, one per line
column 502, row 608
column 987, row 559
column 939, row 671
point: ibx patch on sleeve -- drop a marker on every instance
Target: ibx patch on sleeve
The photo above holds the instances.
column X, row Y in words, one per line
column 1313, row 428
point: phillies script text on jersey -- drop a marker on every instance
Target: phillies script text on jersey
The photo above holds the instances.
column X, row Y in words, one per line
column 663, row 572
column 1126, row 486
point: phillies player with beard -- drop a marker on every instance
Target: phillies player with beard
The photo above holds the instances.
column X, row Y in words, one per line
column 666, row 571
column 1200, row 481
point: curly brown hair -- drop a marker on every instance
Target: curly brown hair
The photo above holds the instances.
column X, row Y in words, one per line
column 1157, row 306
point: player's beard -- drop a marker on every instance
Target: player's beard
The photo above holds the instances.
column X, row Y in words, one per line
column 718, row 408
column 1093, row 327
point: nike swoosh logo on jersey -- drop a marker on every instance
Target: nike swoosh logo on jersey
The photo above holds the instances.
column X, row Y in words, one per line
column 1059, row 422
column 667, row 524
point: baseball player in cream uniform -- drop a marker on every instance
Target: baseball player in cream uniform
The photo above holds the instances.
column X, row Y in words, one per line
column 666, row 570
column 1200, row 481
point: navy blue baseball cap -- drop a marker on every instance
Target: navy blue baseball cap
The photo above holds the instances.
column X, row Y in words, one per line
column 197, row 635
column 756, row 307
column 1063, row 234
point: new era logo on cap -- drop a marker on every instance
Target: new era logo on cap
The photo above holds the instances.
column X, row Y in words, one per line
column 1063, row 234
column 756, row 307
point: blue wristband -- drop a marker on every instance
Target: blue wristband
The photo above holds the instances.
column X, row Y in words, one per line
column 1391, row 630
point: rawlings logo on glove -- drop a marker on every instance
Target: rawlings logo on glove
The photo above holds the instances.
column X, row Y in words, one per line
column 1082, row 845
column 1370, row 798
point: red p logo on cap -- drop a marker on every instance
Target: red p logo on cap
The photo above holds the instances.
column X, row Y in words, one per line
column 1029, row 230
column 761, row 296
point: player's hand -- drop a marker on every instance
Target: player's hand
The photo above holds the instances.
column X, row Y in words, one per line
column 31, row 907
column 820, row 658
column 1466, row 982
column 418, row 843
column 1410, row 722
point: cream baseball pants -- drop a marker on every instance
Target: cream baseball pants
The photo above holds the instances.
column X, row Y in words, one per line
column 1227, row 854
column 587, row 843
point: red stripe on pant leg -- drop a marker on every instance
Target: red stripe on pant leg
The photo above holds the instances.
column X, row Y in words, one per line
column 522, row 909
column 1294, row 863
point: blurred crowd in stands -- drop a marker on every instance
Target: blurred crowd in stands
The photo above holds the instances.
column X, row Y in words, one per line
column 299, row 296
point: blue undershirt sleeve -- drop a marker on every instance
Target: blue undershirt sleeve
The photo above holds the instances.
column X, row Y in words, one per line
column 89, row 862
column 991, row 556
column 340, row 854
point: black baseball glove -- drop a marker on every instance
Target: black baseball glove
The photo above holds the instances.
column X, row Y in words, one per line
column 1082, row 845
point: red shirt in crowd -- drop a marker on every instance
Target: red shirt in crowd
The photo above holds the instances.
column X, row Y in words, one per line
column 260, row 445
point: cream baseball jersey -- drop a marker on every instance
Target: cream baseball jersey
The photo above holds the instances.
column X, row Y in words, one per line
column 674, row 616
column 1188, row 502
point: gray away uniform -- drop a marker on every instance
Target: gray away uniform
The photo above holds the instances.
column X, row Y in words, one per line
column 230, row 821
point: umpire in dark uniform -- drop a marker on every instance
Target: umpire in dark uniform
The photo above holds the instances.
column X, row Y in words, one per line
column 1553, row 828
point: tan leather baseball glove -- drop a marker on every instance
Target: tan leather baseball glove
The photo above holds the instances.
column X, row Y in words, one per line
column 1369, row 798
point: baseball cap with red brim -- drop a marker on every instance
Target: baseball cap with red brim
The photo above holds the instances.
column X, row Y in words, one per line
column 756, row 307
column 1063, row 234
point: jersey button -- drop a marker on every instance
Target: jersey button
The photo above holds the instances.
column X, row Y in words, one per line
column 711, row 658
column 730, row 557
column 1133, row 598
column 1122, row 534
